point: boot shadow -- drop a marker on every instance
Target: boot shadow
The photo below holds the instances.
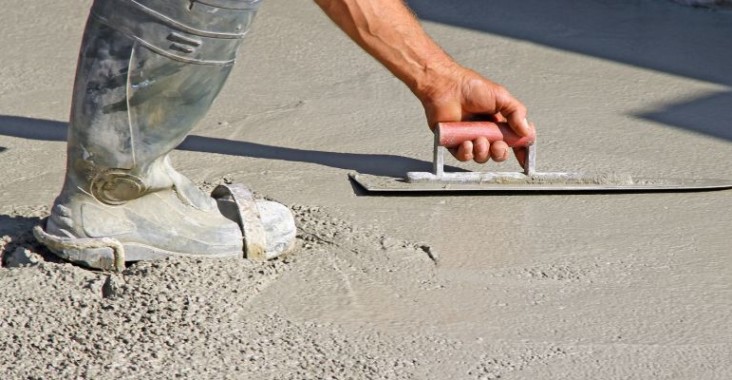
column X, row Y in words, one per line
column 19, row 231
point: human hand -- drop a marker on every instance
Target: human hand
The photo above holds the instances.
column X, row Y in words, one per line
column 460, row 94
column 388, row 31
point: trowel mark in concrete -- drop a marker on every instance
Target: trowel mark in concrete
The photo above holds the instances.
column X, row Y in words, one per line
column 581, row 272
column 500, row 365
column 366, row 250
column 350, row 272
column 567, row 272
column 318, row 227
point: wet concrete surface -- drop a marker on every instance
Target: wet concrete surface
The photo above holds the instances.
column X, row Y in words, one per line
column 608, row 286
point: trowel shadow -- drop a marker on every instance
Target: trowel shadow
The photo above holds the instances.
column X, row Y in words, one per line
column 374, row 164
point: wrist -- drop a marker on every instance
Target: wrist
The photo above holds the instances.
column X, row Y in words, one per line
column 435, row 77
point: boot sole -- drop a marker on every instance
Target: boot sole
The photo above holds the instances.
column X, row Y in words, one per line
column 109, row 253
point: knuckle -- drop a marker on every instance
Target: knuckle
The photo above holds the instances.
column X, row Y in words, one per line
column 501, row 92
column 520, row 108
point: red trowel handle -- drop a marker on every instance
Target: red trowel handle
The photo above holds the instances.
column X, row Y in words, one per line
column 452, row 134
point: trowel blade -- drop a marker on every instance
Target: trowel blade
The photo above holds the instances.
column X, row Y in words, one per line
column 378, row 184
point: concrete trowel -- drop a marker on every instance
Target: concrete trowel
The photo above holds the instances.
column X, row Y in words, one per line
column 451, row 135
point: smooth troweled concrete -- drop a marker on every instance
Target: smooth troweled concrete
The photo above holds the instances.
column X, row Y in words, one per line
column 617, row 286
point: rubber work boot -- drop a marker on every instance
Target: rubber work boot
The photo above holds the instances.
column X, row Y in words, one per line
column 148, row 71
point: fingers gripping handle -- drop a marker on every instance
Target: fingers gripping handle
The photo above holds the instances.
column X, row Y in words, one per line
column 452, row 134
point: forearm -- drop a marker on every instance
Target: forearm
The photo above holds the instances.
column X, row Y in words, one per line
column 387, row 30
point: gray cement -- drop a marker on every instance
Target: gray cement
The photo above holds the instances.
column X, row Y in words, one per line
column 476, row 287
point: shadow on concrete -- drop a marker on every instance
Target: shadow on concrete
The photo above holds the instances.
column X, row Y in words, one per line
column 657, row 35
column 33, row 129
column 17, row 225
column 375, row 164
column 710, row 114
column 19, row 230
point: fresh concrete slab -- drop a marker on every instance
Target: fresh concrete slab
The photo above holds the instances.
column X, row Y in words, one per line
column 477, row 287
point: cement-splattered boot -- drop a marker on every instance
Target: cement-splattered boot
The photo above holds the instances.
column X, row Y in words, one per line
column 148, row 71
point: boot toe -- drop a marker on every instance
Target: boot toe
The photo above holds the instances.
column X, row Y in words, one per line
column 279, row 227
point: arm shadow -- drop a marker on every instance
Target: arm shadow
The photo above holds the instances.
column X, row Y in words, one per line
column 374, row 164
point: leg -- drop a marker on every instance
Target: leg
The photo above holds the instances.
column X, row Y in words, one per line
column 148, row 71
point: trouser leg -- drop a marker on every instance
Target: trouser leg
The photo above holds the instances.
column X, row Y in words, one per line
column 148, row 71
